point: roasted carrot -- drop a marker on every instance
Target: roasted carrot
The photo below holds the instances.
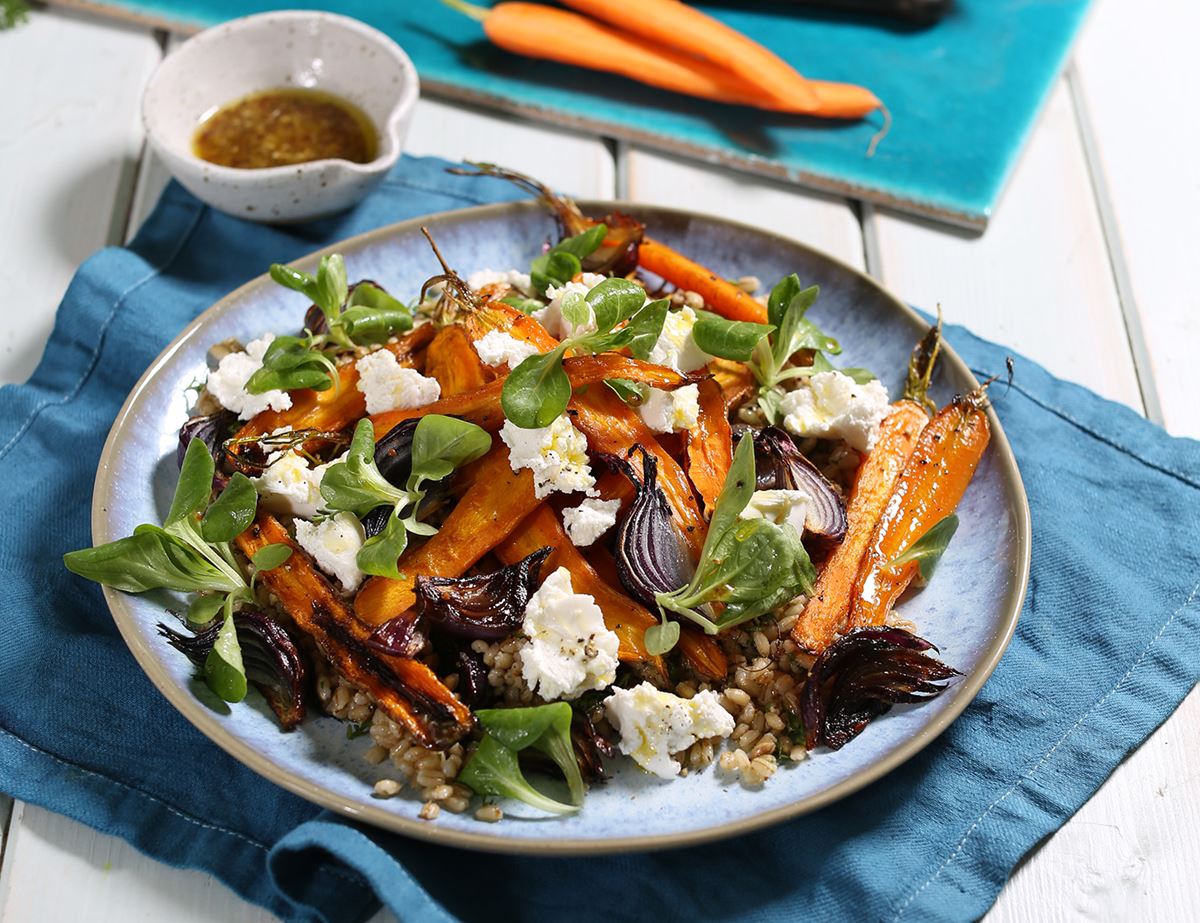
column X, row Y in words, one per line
column 547, row 33
column 825, row 614
column 492, row 506
column 709, row 444
column 670, row 24
column 927, row 491
column 407, row 690
column 338, row 407
column 482, row 406
column 703, row 652
column 720, row 295
column 496, row 315
column 451, row 360
column 736, row 381
column 611, row 427
column 622, row 615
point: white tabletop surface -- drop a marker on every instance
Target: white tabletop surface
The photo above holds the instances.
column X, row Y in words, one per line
column 1088, row 267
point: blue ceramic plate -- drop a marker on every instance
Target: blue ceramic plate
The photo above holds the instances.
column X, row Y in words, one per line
column 970, row 609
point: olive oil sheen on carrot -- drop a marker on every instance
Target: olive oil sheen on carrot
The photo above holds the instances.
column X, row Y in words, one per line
column 276, row 128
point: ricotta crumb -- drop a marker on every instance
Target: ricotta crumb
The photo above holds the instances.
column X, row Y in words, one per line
column 289, row 486
column 676, row 347
column 591, row 519
column 551, row 317
column 569, row 650
column 388, row 385
column 556, row 454
column 499, row 348
column 512, row 278
column 832, row 405
column 781, row 507
column 227, row 382
column 655, row 724
column 334, row 543
column 671, row 411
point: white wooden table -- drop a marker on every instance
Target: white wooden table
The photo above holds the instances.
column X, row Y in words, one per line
column 1088, row 267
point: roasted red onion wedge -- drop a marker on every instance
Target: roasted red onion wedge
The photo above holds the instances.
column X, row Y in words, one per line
column 781, row 466
column 487, row 606
column 272, row 661
column 860, row 676
column 651, row 557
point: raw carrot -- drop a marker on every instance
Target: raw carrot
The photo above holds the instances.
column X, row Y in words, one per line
column 482, row 406
column 407, row 690
column 720, row 295
column 622, row 615
column 709, row 444
column 670, row 24
column 486, row 514
column 338, row 407
column 825, row 614
column 451, row 360
column 548, row 33
column 927, row 491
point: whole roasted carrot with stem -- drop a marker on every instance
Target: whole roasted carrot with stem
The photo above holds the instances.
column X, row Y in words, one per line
column 486, row 514
column 927, row 491
column 827, row 610
column 407, row 690
column 548, row 33
column 720, row 295
column 709, row 444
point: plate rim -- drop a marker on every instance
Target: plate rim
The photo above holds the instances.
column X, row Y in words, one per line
column 210, row 725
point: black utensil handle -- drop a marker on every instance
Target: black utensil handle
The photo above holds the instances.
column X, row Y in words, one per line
column 923, row 11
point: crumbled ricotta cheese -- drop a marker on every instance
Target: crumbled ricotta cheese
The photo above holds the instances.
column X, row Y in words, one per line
column 390, row 386
column 591, row 519
column 676, row 347
column 333, row 543
column 569, row 650
column 779, row 507
column 227, row 382
column 514, row 278
column 832, row 405
column 556, row 454
column 654, row 724
column 671, row 411
column 499, row 348
column 290, row 486
column 551, row 317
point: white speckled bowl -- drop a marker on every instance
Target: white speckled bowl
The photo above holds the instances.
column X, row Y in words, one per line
column 289, row 48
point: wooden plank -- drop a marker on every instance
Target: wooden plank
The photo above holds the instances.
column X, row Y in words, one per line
column 1131, row 852
column 1039, row 280
column 69, row 144
column 1146, row 152
column 576, row 164
column 824, row 222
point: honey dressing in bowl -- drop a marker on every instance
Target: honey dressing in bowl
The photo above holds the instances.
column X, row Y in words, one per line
column 282, row 127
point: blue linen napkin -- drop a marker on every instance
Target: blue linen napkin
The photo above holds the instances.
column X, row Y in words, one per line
column 1105, row 649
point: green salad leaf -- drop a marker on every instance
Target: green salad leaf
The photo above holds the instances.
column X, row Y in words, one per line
column 440, row 445
column 563, row 261
column 271, row 556
column 749, row 566
column 494, row 769
column 538, row 390
column 927, row 551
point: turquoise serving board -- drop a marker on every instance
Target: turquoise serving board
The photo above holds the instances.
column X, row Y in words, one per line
column 963, row 93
